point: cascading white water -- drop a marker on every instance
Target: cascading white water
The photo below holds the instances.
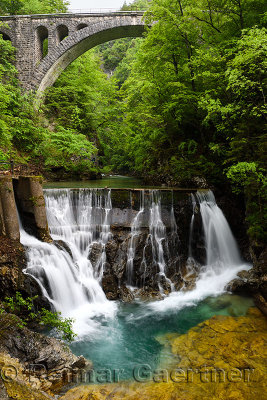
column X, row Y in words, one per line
column 80, row 219
column 191, row 265
column 221, row 247
column 191, row 226
column 155, row 238
column 157, row 235
column 223, row 258
column 135, row 232
column 68, row 279
column 157, row 231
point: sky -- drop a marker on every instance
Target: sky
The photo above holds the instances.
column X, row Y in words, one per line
column 88, row 4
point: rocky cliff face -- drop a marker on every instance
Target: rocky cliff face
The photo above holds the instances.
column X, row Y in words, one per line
column 147, row 238
column 12, row 279
column 254, row 281
column 34, row 366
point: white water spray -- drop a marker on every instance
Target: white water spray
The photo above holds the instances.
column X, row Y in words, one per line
column 135, row 232
column 223, row 258
column 66, row 275
column 155, row 238
column 80, row 219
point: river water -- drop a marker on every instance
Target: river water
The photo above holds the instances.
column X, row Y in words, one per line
column 115, row 335
column 112, row 182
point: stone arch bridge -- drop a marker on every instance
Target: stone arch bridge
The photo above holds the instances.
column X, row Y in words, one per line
column 47, row 44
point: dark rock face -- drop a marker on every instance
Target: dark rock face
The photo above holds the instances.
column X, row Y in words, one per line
column 30, row 201
column 180, row 271
column 146, row 275
column 12, row 279
column 254, row 281
column 32, row 348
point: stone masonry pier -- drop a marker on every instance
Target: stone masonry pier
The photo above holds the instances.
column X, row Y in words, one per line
column 24, row 194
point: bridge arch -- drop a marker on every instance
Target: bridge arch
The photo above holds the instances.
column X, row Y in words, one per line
column 77, row 43
column 81, row 26
column 41, row 36
column 6, row 35
column 47, row 43
column 62, row 32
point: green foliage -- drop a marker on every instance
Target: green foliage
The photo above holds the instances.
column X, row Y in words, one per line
column 241, row 173
column 13, row 7
column 66, row 148
column 83, row 100
column 24, row 308
column 248, row 178
column 187, row 100
column 25, row 136
column 193, row 98
column 63, row 326
column 139, row 5
column 10, row 6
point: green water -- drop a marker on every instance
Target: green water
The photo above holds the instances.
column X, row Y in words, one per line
column 112, row 182
column 135, row 337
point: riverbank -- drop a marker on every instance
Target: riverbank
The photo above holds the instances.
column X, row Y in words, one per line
column 223, row 357
column 107, row 220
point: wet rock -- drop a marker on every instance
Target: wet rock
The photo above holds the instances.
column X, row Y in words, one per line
column 236, row 286
column 12, row 279
column 95, row 253
column 81, row 363
column 61, row 245
column 20, row 385
column 164, row 284
column 148, row 294
column 189, row 285
column 116, row 250
column 254, row 281
column 125, row 294
column 221, row 358
column 33, row 349
column 177, row 281
column 110, row 286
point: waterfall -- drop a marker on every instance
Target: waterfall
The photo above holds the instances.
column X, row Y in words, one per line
column 80, row 219
column 221, row 247
column 155, row 238
column 223, row 260
column 190, row 255
column 135, row 232
column 70, row 270
column 157, row 231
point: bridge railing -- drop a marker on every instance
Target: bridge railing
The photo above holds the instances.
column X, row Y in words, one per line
column 89, row 11
column 103, row 10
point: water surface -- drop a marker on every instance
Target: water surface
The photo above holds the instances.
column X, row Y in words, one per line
column 112, row 182
column 137, row 335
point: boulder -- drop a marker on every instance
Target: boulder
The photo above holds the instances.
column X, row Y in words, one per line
column 36, row 352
